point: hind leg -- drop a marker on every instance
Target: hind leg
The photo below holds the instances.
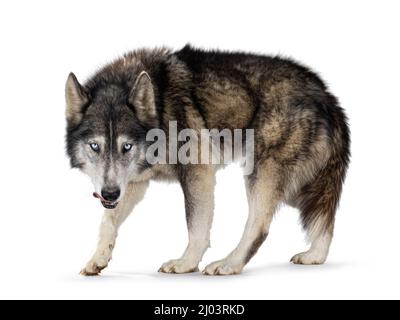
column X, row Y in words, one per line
column 318, row 251
column 263, row 197
column 317, row 203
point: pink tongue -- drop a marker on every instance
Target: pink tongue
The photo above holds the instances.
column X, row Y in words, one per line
column 96, row 195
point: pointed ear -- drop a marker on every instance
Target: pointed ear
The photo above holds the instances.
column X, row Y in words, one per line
column 76, row 98
column 142, row 99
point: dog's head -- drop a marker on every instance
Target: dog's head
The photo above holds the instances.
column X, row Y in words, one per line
column 106, row 130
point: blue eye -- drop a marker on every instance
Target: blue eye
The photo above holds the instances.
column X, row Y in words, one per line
column 127, row 147
column 94, row 146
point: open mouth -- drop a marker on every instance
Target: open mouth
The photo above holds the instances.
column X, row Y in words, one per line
column 106, row 204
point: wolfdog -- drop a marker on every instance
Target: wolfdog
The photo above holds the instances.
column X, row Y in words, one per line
column 301, row 146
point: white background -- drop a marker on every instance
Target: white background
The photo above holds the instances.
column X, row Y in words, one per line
column 49, row 221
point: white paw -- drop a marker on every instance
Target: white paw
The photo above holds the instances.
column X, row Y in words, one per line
column 94, row 266
column 223, row 268
column 308, row 258
column 179, row 266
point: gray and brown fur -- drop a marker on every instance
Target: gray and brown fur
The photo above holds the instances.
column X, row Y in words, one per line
column 301, row 142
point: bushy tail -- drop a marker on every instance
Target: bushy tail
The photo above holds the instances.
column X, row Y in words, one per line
column 319, row 199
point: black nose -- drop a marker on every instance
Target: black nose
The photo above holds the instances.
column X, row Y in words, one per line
column 110, row 194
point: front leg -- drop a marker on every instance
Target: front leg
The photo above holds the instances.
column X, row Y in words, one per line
column 111, row 222
column 198, row 187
